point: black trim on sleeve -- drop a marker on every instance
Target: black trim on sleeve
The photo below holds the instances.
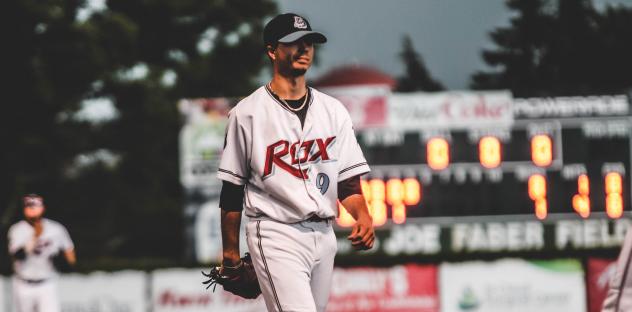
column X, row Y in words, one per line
column 231, row 173
column 352, row 167
column 231, row 198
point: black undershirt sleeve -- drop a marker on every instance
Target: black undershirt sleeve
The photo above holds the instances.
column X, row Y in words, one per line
column 349, row 187
column 231, row 197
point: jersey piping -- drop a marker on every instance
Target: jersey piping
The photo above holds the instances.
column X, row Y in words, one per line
column 231, row 173
column 265, row 264
column 352, row 167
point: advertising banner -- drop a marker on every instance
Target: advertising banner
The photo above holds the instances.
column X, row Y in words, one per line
column 367, row 105
column 201, row 142
column 103, row 292
column 599, row 273
column 208, row 233
column 201, row 145
column 181, row 290
column 571, row 106
column 512, row 285
column 395, row 289
column 476, row 236
column 420, row 110
column 5, row 303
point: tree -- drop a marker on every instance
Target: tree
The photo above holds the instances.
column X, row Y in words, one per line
column 575, row 50
column 563, row 47
column 143, row 56
column 615, row 64
column 50, row 63
column 520, row 61
column 417, row 77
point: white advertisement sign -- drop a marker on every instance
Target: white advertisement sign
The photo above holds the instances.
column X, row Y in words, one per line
column 512, row 285
column 420, row 110
column 208, row 233
column 103, row 292
column 201, row 142
column 181, row 290
column 5, row 304
column 572, row 106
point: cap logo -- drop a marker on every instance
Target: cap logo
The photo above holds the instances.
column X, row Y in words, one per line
column 299, row 23
column 33, row 201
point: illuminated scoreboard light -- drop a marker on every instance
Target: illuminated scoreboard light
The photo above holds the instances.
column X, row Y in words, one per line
column 490, row 154
column 539, row 167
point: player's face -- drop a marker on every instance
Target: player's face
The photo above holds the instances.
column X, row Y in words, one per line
column 33, row 213
column 294, row 59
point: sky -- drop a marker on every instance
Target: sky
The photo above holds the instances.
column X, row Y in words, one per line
column 449, row 34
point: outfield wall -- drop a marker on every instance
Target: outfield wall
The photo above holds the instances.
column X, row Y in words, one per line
column 502, row 285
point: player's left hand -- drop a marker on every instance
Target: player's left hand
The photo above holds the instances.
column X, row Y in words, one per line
column 362, row 235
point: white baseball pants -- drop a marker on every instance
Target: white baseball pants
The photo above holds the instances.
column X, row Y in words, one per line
column 294, row 263
column 40, row 297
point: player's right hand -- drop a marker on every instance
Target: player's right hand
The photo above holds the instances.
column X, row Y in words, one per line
column 362, row 235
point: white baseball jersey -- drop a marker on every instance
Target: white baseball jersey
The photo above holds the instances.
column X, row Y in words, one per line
column 38, row 265
column 290, row 172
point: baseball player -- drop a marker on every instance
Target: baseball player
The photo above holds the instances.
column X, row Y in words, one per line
column 290, row 154
column 33, row 243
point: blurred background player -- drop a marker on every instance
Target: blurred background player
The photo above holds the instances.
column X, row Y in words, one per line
column 36, row 244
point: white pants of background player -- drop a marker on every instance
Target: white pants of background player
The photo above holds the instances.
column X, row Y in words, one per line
column 294, row 263
column 39, row 297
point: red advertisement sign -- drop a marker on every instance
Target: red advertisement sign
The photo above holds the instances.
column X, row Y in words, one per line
column 396, row 289
column 599, row 273
column 366, row 110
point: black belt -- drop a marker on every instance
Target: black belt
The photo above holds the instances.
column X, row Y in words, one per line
column 33, row 281
column 315, row 218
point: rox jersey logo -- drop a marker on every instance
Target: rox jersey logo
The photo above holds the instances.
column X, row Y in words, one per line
column 286, row 156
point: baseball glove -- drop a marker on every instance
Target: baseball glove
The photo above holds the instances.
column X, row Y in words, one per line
column 60, row 263
column 240, row 280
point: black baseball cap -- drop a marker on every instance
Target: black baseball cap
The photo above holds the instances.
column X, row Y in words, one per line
column 289, row 27
column 32, row 200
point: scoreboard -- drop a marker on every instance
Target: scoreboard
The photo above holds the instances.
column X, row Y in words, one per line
column 455, row 175
column 555, row 156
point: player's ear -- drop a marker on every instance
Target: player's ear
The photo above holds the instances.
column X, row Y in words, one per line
column 270, row 51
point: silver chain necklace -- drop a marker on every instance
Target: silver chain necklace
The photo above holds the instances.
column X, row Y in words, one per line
column 288, row 105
